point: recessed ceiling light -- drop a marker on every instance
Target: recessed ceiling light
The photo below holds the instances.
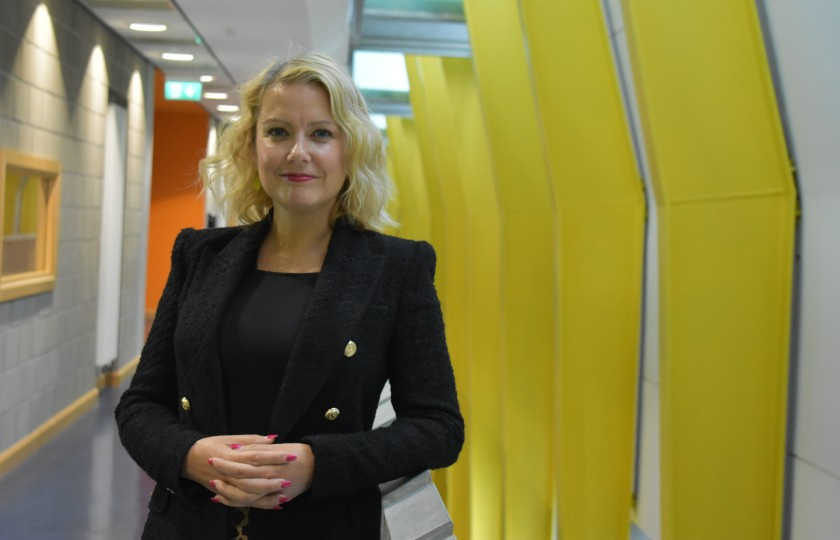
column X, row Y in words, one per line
column 215, row 95
column 206, row 78
column 227, row 108
column 145, row 27
column 177, row 57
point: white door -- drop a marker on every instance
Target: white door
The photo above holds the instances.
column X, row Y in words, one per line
column 110, row 244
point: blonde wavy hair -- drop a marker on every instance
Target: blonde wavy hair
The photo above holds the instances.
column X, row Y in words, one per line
column 231, row 173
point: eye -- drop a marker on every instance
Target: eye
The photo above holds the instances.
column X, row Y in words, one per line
column 276, row 132
column 322, row 133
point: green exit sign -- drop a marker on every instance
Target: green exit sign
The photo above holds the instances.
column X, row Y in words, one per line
column 185, row 91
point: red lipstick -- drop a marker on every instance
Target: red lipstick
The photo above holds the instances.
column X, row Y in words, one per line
column 298, row 177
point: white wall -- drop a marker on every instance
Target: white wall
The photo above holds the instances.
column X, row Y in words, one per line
column 110, row 243
column 805, row 40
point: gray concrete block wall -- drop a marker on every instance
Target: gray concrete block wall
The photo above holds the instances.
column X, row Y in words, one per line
column 56, row 68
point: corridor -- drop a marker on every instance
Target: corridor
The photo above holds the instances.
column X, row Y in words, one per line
column 81, row 485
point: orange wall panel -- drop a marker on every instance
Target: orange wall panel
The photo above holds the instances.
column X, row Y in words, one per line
column 180, row 141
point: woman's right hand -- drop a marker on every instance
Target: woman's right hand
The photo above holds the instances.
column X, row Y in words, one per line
column 263, row 490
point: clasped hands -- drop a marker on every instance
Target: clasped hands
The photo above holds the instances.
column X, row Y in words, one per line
column 250, row 470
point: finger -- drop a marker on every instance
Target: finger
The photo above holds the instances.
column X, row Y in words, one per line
column 221, row 499
column 271, row 501
column 233, row 495
column 246, row 440
column 240, row 460
column 233, row 470
column 261, row 486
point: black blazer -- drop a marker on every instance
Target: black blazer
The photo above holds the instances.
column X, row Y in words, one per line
column 373, row 289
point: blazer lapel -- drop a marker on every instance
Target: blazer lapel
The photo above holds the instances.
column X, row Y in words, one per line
column 208, row 298
column 344, row 288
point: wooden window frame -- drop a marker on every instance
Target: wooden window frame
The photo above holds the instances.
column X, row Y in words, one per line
column 43, row 278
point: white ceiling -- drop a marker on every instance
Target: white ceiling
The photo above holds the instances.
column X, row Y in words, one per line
column 230, row 39
column 247, row 34
column 233, row 39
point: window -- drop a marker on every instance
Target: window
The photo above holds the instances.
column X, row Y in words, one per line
column 29, row 189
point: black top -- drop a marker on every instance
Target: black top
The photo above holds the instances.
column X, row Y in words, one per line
column 256, row 337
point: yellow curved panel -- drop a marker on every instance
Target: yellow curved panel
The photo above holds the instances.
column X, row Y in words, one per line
column 426, row 144
column 528, row 250
column 600, row 224
column 433, row 113
column 483, row 327
column 726, row 217
column 413, row 202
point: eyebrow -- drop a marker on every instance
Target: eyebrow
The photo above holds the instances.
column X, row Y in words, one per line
column 315, row 123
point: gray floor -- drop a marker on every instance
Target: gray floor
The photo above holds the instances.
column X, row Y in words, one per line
column 80, row 485
column 83, row 486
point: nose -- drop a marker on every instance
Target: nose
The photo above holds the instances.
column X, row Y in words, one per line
column 298, row 151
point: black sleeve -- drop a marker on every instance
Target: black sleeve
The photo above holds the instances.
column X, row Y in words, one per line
column 147, row 413
column 428, row 432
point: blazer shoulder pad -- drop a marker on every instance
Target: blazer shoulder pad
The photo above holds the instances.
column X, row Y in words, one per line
column 192, row 240
column 399, row 247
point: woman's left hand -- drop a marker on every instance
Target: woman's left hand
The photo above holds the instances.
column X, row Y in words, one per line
column 264, row 475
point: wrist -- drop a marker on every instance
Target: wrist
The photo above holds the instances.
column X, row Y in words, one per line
column 190, row 465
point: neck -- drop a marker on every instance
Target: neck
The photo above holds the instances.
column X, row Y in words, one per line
column 295, row 245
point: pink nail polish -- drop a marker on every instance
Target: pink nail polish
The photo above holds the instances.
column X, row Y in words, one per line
column 278, row 507
column 285, row 484
column 283, row 499
column 213, row 484
column 272, row 437
column 215, row 500
column 210, row 461
column 235, row 446
column 291, row 457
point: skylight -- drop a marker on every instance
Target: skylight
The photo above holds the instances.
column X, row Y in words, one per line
column 380, row 71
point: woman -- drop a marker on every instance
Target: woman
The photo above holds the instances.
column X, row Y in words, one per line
column 256, row 391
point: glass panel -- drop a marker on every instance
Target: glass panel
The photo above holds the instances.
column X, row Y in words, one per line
column 422, row 7
column 21, row 214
